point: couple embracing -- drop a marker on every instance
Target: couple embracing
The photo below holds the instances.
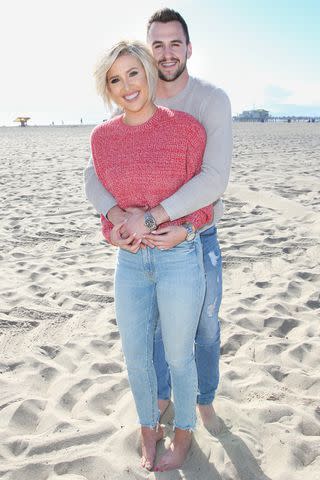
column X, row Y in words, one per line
column 156, row 175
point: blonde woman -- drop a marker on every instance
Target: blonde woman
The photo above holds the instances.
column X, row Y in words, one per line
column 141, row 157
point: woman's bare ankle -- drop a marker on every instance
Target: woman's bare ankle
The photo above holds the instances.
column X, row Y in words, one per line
column 149, row 439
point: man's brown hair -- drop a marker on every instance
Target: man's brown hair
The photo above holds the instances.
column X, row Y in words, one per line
column 166, row 15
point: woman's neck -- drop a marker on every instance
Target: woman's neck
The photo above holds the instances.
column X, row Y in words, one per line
column 140, row 117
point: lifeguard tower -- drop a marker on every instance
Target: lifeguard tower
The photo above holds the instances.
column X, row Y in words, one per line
column 22, row 120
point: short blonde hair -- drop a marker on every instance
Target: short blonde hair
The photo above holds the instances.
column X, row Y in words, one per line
column 138, row 50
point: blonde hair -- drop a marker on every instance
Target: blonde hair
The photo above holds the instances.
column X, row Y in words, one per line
column 138, row 50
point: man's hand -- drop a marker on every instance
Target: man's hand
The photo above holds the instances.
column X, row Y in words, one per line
column 116, row 215
column 166, row 237
column 134, row 222
column 131, row 244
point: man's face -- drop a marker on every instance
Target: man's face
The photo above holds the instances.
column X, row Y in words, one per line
column 170, row 49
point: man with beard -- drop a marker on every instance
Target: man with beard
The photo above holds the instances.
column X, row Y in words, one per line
column 168, row 37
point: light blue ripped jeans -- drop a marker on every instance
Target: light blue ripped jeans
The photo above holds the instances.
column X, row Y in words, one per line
column 207, row 342
column 169, row 284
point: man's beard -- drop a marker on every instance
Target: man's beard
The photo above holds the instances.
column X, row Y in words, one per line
column 176, row 75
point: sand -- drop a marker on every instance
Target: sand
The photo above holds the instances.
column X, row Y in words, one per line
column 66, row 411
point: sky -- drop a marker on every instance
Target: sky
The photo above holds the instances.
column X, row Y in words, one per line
column 263, row 53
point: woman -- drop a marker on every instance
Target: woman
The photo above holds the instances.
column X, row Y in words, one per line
column 142, row 157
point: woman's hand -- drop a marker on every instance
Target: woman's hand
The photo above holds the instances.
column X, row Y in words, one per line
column 166, row 237
column 131, row 243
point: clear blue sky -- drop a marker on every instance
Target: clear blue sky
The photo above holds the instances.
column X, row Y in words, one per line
column 263, row 53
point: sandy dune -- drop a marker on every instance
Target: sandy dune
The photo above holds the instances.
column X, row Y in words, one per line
column 66, row 411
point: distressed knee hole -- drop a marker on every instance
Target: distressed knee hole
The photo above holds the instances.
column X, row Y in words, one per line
column 211, row 309
column 213, row 258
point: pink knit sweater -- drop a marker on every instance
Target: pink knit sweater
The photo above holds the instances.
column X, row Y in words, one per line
column 144, row 164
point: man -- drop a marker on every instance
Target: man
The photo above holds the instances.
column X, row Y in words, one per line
column 168, row 36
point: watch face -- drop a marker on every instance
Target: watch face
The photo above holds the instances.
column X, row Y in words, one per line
column 190, row 236
column 190, row 232
column 150, row 222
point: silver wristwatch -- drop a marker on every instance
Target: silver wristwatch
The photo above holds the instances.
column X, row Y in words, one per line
column 150, row 221
column 191, row 231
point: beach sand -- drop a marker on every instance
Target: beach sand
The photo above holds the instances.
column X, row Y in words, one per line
column 66, row 411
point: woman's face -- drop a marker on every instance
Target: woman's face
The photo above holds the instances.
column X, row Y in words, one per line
column 127, row 84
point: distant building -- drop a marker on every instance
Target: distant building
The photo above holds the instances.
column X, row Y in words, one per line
column 259, row 115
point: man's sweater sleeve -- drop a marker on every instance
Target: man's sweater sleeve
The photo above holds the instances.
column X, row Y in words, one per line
column 212, row 181
column 95, row 192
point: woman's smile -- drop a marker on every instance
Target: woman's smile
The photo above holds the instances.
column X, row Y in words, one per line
column 131, row 96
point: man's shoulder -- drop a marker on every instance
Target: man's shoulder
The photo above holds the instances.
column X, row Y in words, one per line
column 207, row 89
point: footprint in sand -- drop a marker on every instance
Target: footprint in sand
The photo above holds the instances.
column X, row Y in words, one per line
column 27, row 416
column 72, row 395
